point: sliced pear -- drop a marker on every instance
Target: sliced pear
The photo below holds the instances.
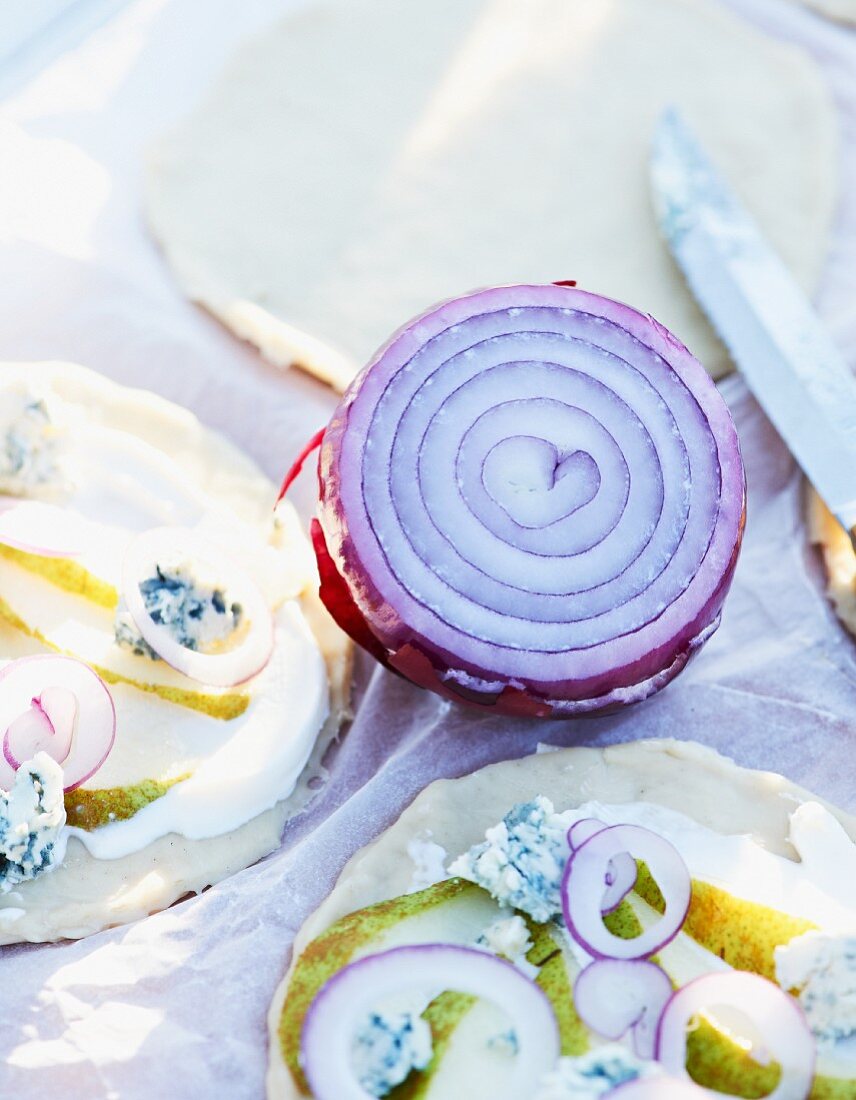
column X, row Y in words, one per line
column 741, row 933
column 90, row 808
column 453, row 911
column 225, row 705
column 66, row 574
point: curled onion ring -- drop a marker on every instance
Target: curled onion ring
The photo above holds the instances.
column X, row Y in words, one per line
column 582, row 891
column 534, row 498
column 56, row 705
column 249, row 656
column 777, row 1016
column 349, row 996
column 614, row 996
column 622, row 872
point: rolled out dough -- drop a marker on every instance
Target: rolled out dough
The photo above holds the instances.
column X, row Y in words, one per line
column 365, row 158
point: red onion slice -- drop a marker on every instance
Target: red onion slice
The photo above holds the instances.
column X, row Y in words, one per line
column 73, row 719
column 622, row 872
column 48, row 725
column 172, row 545
column 583, row 891
column 535, row 497
column 39, row 528
column 349, row 996
column 777, row 1017
column 614, row 996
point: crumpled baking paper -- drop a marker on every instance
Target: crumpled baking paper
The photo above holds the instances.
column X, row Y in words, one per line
column 175, row 1006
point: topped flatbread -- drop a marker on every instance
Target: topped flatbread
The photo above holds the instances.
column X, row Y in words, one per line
column 478, row 862
column 145, row 548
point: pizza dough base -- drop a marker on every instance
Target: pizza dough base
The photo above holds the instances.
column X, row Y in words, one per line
column 84, row 895
column 455, row 813
column 304, row 198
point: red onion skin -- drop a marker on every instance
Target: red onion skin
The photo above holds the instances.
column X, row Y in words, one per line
column 293, row 474
column 358, row 607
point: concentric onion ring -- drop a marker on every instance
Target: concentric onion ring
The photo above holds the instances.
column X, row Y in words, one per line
column 534, row 497
column 350, row 995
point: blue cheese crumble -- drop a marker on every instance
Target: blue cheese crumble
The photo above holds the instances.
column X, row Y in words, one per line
column 32, row 815
column 821, row 968
column 593, row 1074
column 522, row 859
column 198, row 615
column 28, row 459
column 510, row 939
column 388, row 1047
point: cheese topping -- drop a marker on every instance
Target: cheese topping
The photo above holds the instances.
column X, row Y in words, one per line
column 32, row 815
column 199, row 614
column 28, row 450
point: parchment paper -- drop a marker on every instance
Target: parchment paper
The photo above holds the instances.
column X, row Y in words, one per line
column 175, row 1005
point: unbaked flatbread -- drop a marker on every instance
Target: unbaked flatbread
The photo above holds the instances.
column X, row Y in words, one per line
column 682, row 776
column 365, row 158
column 83, row 894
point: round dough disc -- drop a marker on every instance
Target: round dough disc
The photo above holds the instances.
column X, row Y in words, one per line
column 365, row 158
column 683, row 776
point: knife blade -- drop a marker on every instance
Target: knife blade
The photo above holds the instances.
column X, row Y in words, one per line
column 778, row 342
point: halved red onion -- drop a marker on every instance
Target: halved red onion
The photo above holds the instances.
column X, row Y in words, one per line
column 775, row 1015
column 659, row 1087
column 56, row 705
column 166, row 546
column 614, row 996
column 583, row 891
column 39, row 528
column 622, row 872
column 534, row 498
column 348, row 998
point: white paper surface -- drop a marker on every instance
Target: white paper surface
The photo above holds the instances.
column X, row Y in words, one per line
column 175, row 1006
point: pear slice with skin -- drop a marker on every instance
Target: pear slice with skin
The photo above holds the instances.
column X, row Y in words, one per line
column 225, row 705
column 89, row 808
column 67, row 574
column 741, row 933
column 466, row 912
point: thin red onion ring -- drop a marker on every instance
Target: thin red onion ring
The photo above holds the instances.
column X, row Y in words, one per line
column 40, row 528
column 582, row 891
column 614, row 996
column 535, row 499
column 80, row 750
column 349, row 996
column 622, row 872
column 777, row 1016
column 232, row 666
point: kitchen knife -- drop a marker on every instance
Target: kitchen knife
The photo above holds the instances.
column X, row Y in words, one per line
column 775, row 337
